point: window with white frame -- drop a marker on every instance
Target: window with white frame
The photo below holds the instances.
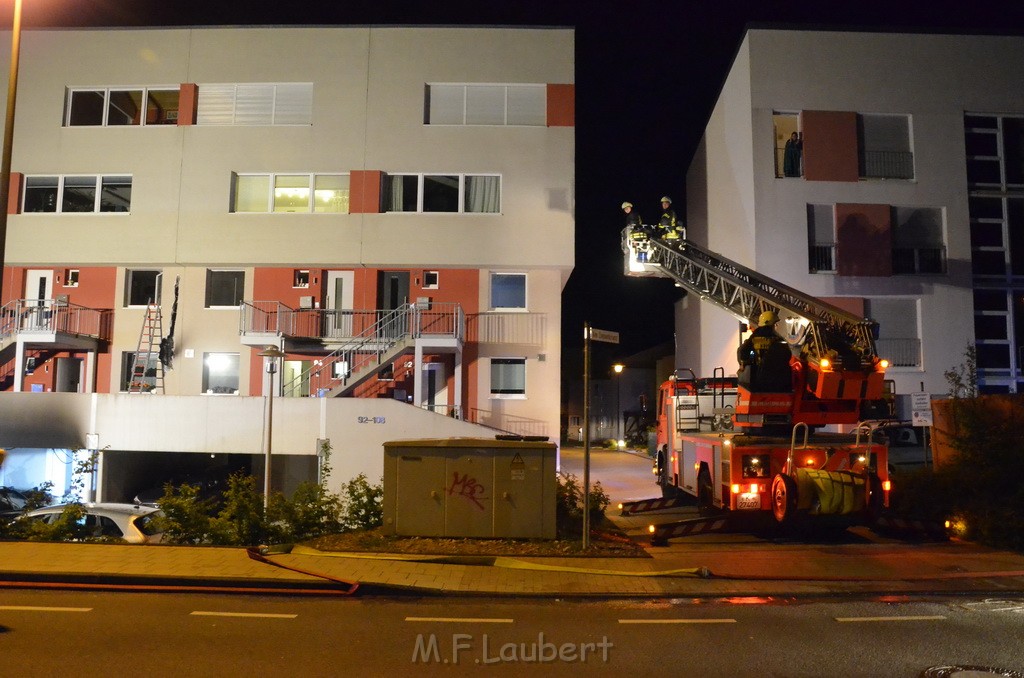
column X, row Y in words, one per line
column 451, row 193
column 220, row 373
column 69, row 194
column 508, row 377
column 224, row 289
column 508, row 291
column 255, row 104
column 117, row 106
column 431, row 280
column 486, row 104
column 288, row 192
column 141, row 286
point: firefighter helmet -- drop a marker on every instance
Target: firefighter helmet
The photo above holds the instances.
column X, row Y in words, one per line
column 768, row 318
column 666, row 199
column 626, row 204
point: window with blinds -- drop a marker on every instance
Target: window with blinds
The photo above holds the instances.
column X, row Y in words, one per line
column 491, row 104
column 255, row 104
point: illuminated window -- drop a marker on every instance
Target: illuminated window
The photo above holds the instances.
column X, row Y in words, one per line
column 220, row 373
column 284, row 193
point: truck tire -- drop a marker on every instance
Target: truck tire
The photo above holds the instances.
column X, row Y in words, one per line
column 705, row 492
column 668, row 490
column 783, row 499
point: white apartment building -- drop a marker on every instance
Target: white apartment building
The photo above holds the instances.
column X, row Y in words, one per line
column 389, row 208
column 907, row 206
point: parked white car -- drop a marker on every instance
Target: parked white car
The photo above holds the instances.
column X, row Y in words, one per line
column 131, row 522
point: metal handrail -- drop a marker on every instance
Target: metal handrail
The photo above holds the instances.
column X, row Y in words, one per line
column 370, row 344
column 49, row 315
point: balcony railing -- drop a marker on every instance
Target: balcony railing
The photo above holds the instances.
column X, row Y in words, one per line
column 510, row 423
column 366, row 346
column 900, row 352
column 507, row 328
column 272, row 317
column 909, row 260
column 887, row 164
column 49, row 315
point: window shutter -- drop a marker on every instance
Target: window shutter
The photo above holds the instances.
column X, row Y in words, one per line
column 293, row 104
column 485, row 105
column 254, row 105
column 527, row 105
column 446, row 104
column 216, row 105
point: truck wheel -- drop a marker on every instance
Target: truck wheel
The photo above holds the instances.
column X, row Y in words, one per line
column 668, row 490
column 783, row 499
column 705, row 492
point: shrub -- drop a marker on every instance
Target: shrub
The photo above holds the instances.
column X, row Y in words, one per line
column 569, row 503
column 186, row 517
column 362, row 504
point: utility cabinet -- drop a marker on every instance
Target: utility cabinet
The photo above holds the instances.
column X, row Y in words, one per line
column 470, row 487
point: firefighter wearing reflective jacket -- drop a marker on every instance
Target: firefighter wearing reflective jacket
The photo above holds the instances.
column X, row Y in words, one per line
column 669, row 225
column 764, row 358
column 638, row 236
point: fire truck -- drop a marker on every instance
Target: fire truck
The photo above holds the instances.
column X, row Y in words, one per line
column 738, row 447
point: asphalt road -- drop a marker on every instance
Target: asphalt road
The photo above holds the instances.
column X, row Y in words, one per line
column 47, row 633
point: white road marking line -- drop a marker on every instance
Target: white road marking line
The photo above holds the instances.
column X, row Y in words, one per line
column 33, row 608
column 935, row 617
column 478, row 620
column 677, row 621
column 265, row 615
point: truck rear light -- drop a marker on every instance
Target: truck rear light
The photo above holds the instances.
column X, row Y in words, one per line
column 735, row 488
column 809, row 461
column 886, row 485
column 753, row 488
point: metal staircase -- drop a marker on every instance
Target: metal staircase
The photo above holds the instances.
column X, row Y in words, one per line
column 822, row 329
column 147, row 373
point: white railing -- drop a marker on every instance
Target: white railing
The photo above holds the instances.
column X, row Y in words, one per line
column 507, row 328
column 49, row 315
column 509, row 423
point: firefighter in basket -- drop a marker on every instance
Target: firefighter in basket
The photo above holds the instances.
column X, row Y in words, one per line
column 639, row 239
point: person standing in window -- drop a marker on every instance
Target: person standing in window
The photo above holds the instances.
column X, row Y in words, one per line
column 793, row 155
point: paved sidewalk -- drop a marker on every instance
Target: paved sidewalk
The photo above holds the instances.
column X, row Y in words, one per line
column 736, row 569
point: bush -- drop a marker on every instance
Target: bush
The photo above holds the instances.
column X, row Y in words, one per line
column 362, row 504
column 186, row 518
column 569, row 504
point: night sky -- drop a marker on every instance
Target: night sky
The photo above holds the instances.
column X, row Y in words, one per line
column 647, row 76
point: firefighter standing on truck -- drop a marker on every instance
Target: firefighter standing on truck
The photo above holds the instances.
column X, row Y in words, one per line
column 764, row 357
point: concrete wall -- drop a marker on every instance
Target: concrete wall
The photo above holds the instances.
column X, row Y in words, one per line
column 356, row 428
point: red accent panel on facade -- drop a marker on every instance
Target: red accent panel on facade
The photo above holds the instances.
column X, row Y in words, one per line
column 188, row 96
column 14, row 197
column 364, row 191
column 863, row 240
column 854, row 305
column 561, row 105
column 830, row 145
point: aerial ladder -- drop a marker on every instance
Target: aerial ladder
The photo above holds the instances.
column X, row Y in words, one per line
column 838, row 377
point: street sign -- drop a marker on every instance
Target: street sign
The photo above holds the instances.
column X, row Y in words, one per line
column 920, row 409
column 603, row 335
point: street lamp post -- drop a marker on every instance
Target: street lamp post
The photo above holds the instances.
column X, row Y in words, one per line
column 5, row 159
column 619, row 414
column 270, row 356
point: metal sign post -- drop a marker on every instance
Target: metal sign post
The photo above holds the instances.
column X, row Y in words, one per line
column 611, row 338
